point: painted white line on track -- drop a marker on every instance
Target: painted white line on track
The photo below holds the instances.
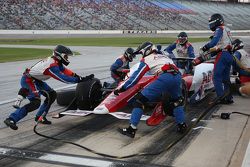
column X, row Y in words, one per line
column 55, row 158
column 246, row 160
column 202, row 127
column 75, row 160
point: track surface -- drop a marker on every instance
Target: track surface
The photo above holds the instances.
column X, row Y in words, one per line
column 95, row 132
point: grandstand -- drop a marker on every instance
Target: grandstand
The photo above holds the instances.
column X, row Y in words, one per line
column 119, row 14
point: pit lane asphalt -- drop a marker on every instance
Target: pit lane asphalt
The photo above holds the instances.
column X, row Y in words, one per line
column 96, row 132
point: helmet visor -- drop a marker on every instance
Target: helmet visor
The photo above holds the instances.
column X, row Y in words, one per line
column 182, row 40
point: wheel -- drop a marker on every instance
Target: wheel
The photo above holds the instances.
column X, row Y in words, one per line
column 65, row 97
column 88, row 94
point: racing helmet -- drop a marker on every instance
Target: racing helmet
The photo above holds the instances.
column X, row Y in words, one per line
column 146, row 49
column 182, row 38
column 237, row 44
column 61, row 53
column 129, row 54
column 215, row 21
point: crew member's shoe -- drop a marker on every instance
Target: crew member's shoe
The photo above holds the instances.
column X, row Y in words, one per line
column 43, row 121
column 130, row 132
column 226, row 101
column 182, row 127
column 11, row 123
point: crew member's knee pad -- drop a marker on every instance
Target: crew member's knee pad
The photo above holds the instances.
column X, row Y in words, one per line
column 170, row 104
column 167, row 107
column 53, row 96
column 33, row 105
column 140, row 100
column 23, row 92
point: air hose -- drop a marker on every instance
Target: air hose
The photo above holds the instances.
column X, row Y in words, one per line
column 210, row 107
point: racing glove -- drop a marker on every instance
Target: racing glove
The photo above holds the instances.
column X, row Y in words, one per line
column 77, row 76
column 88, row 77
column 117, row 91
column 203, row 57
column 204, row 48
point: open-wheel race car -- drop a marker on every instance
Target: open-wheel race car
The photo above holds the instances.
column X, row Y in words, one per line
column 91, row 97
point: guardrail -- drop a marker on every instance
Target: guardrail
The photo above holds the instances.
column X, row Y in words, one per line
column 109, row 32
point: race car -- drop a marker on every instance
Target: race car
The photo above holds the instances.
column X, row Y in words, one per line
column 91, row 97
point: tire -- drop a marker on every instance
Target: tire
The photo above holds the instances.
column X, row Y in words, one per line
column 88, row 94
column 64, row 98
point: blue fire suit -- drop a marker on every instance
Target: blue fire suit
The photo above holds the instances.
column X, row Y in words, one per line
column 185, row 50
column 221, row 40
column 117, row 68
column 166, row 82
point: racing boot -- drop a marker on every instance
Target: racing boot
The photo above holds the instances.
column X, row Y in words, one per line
column 227, row 100
column 181, row 127
column 130, row 132
column 43, row 120
column 18, row 101
column 11, row 123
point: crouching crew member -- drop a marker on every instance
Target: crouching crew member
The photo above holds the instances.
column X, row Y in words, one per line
column 120, row 67
column 168, row 81
column 33, row 85
column 242, row 63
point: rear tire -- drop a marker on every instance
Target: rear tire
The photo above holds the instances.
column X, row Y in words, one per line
column 88, row 94
column 64, row 98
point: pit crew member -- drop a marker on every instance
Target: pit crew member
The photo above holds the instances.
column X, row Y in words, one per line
column 120, row 67
column 222, row 41
column 242, row 66
column 33, row 85
column 183, row 48
column 168, row 81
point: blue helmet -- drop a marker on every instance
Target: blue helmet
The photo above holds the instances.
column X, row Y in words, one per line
column 215, row 21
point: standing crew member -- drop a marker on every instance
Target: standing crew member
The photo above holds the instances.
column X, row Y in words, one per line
column 222, row 41
column 33, row 85
column 184, row 49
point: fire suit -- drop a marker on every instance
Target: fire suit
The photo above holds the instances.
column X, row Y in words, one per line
column 168, row 81
column 33, row 83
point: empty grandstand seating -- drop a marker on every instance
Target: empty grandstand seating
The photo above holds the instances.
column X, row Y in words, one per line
column 119, row 14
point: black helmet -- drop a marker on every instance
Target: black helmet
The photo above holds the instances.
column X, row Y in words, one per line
column 129, row 54
column 237, row 44
column 182, row 37
column 146, row 49
column 215, row 21
column 61, row 53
